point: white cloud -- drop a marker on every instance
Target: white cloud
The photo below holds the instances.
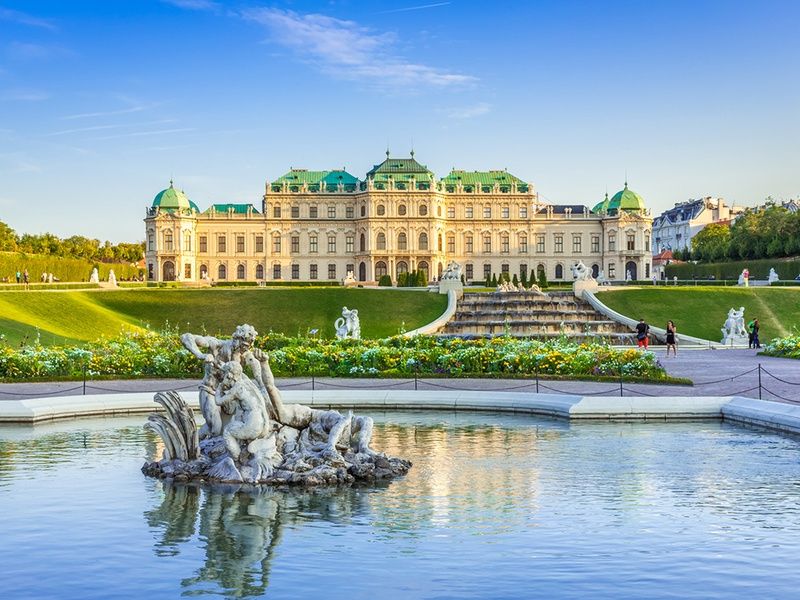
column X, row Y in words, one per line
column 346, row 50
column 104, row 127
column 16, row 16
column 469, row 112
column 146, row 133
column 408, row 8
column 123, row 111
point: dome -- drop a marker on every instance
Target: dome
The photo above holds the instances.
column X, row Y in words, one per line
column 601, row 207
column 626, row 200
column 172, row 199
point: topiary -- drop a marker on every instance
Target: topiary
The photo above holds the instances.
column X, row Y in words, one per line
column 385, row 281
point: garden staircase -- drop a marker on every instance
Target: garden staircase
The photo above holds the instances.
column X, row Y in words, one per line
column 530, row 315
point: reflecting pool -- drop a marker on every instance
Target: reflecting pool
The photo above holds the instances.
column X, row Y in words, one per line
column 496, row 506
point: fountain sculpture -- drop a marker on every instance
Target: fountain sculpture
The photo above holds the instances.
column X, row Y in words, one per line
column 733, row 331
column 348, row 325
column 250, row 435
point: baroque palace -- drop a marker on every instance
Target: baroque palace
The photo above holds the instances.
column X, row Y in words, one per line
column 318, row 225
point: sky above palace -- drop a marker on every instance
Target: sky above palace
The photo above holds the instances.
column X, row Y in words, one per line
column 102, row 102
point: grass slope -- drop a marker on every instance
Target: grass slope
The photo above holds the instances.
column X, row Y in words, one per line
column 701, row 311
column 68, row 317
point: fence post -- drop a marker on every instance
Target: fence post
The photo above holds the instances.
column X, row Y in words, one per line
column 416, row 374
column 536, row 374
column 620, row 382
column 84, row 379
column 313, row 382
column 759, row 381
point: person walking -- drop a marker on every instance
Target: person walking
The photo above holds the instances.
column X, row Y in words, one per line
column 19, row 276
column 756, row 327
column 642, row 329
column 25, row 277
column 671, row 338
column 750, row 325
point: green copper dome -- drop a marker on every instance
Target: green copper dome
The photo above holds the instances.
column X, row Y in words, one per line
column 625, row 200
column 601, row 207
column 172, row 199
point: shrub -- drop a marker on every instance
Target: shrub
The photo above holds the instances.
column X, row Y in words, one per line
column 385, row 281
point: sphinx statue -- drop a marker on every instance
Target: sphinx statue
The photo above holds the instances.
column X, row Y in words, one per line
column 250, row 436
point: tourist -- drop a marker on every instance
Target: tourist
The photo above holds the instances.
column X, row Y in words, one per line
column 19, row 276
column 751, row 333
column 642, row 329
column 756, row 327
column 671, row 339
column 25, row 276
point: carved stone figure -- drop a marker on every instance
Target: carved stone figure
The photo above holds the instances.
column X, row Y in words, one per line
column 348, row 325
column 581, row 272
column 733, row 331
column 601, row 278
column 773, row 276
column 628, row 276
column 94, row 277
column 452, row 272
column 349, row 279
column 251, row 436
column 112, row 278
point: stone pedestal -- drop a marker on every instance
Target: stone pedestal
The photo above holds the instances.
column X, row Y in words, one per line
column 581, row 285
column 736, row 340
column 445, row 285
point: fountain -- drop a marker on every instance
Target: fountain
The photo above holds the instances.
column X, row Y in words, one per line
column 251, row 436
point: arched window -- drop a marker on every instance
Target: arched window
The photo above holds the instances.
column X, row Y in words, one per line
column 423, row 266
column 168, row 241
column 423, row 241
column 363, row 245
column 441, row 243
column 540, row 273
column 222, row 272
column 595, row 270
column 380, row 269
column 401, row 267
column 381, row 210
column 203, row 271
column 363, row 214
column 438, row 211
column 559, row 272
column 259, row 271
column 402, row 241
column 423, row 210
column 240, row 272
column 381, row 241
column 401, row 210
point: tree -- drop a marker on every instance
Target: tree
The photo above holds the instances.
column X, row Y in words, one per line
column 494, row 280
column 712, row 242
column 385, row 281
column 488, row 282
column 422, row 278
column 8, row 238
column 515, row 280
column 542, row 280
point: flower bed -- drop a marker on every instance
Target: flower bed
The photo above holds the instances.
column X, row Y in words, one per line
column 786, row 347
column 151, row 354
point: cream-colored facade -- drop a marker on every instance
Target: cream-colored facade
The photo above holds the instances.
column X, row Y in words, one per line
column 318, row 225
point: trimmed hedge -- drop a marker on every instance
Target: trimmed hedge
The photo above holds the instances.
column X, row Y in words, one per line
column 276, row 284
column 66, row 269
column 787, row 269
column 10, row 287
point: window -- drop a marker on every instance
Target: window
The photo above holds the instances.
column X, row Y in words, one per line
column 441, row 243
column 168, row 241
column 540, row 271
column 276, row 244
column 487, row 212
column 363, row 210
column 331, row 271
column 506, row 212
column 468, row 272
column 468, row 212
column 295, row 271
column 312, row 212
column 350, row 269
column 240, row 272
column 612, row 242
column 647, row 243
column 523, row 212
column 349, row 244
column 222, row 272
column 362, row 243
column 558, row 241
column 401, row 267
column 331, row 212
column 631, row 242
column 451, row 244
column 504, row 243
column 468, row 244
column 276, row 212
column 331, row 244
column 151, row 242
column 576, row 244
column 380, row 269
column 523, row 243
column 487, row 243
column 487, row 270
column 187, row 271
column 559, row 272
column 276, row 271
column 348, row 212
column 295, row 244
column 612, row 267
column 523, row 271
column 240, row 243
column 595, row 243
column 380, row 241
column 438, row 211
column 451, row 212
column 259, row 271
column 423, row 241
column 540, row 243
column 203, row 271
column 203, row 243
column 312, row 271
column 647, row 270
column 423, row 210
column 259, row 243
column 402, row 241
column 187, row 241
column 504, row 270
column 313, row 243
column 401, row 210
column 295, row 212
column 222, row 243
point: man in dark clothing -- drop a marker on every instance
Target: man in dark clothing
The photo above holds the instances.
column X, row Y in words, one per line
column 642, row 329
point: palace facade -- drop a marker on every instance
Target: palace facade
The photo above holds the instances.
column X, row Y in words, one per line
column 318, row 225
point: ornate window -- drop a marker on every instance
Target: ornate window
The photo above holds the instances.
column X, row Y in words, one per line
column 612, row 242
column 222, row 272
column 259, row 271
column 506, row 212
column 523, row 243
column 331, row 271
column 348, row 212
column 523, row 271
column 222, row 243
column 595, row 243
column 504, row 245
column 276, row 212
column 380, row 210
column 349, row 242
column 260, row 244
column 451, row 244
column 487, row 212
column 423, row 241
column 423, row 210
column 401, row 210
column 312, row 271
column 631, row 241
column 331, row 244
column 468, row 272
column 313, row 243
column 523, row 212
column 504, row 269
column 295, row 244
column 380, row 241
column 363, row 243
column 240, row 272
column 468, row 244
column 402, row 241
column 168, row 241
column 577, row 242
column 559, row 271
column 276, row 271
column 295, row 271
column 151, row 241
column 187, row 241
column 558, row 243
column 451, row 212
column 331, row 212
column 468, row 212
column 540, row 243
column 276, row 243
column 487, row 243
column 487, row 270
column 240, row 243
column 203, row 243
column 380, row 269
column 295, row 212
column 312, row 211
column 401, row 267
column 441, row 243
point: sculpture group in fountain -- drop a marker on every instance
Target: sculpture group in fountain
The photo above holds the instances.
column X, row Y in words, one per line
column 348, row 325
column 773, row 276
column 250, row 435
column 451, row 280
column 94, row 277
column 508, row 286
column 452, row 272
column 583, row 279
column 734, row 332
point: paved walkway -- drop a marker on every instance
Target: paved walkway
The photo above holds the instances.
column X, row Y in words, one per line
column 715, row 373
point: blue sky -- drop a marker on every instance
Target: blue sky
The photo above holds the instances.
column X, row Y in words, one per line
column 102, row 102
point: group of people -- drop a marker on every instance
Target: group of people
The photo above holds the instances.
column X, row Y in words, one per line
column 752, row 334
column 643, row 332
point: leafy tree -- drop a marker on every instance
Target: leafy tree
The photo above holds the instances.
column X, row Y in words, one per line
column 712, row 242
column 542, row 280
column 8, row 238
column 422, row 278
column 488, row 282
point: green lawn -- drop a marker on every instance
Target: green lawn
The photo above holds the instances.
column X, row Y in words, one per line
column 701, row 311
column 69, row 317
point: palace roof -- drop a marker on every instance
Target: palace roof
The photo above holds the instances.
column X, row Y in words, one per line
column 171, row 199
column 239, row 209
column 400, row 169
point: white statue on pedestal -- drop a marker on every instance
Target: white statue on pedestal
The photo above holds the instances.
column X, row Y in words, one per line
column 452, row 272
column 773, row 276
column 628, row 276
column 349, row 279
column 112, row 278
column 601, row 278
column 581, row 272
column 733, row 331
column 94, row 277
column 584, row 282
column 744, row 278
column 348, row 325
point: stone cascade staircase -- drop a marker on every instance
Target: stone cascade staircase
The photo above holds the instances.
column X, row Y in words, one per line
column 529, row 315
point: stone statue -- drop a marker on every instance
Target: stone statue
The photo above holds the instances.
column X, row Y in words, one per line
column 581, row 272
column 601, row 278
column 744, row 278
column 112, row 278
column 452, row 272
column 251, row 436
column 94, row 277
column 348, row 325
column 733, row 331
column 628, row 276
column 349, row 279
column 773, row 276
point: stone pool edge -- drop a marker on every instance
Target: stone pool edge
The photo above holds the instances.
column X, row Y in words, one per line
column 747, row 411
